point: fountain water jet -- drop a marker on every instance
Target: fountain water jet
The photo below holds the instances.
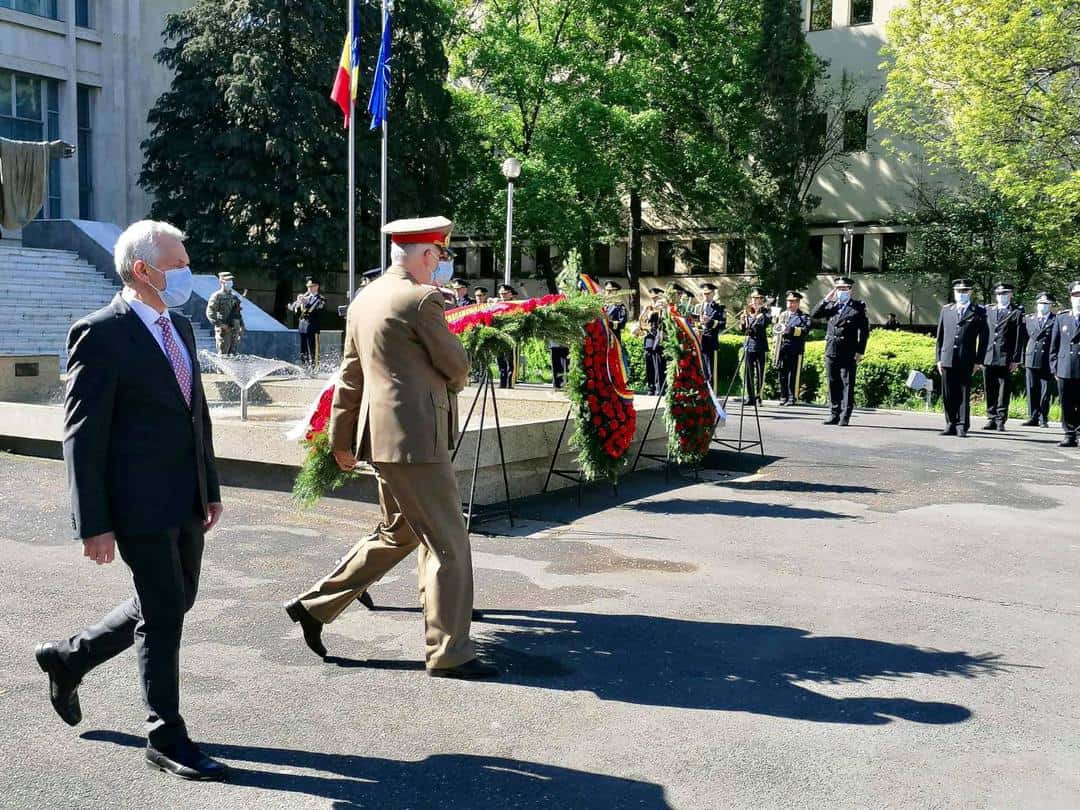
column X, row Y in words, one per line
column 246, row 370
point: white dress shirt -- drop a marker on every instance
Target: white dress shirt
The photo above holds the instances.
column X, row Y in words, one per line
column 148, row 315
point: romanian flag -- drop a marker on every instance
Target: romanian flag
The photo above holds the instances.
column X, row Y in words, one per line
column 348, row 73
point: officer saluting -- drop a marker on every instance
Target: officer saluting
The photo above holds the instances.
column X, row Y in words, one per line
column 791, row 329
column 845, row 344
column 962, row 335
column 1035, row 337
column 1004, row 323
column 712, row 320
column 1065, row 360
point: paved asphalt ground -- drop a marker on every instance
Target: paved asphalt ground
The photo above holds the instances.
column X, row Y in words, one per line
column 870, row 616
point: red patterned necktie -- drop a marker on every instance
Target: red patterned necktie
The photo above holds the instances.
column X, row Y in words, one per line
column 176, row 359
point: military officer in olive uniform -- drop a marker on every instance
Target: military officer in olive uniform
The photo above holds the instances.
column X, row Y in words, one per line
column 223, row 310
column 652, row 320
column 790, row 332
column 309, row 305
column 1004, row 321
column 962, row 335
column 845, row 345
column 1065, row 360
column 754, row 323
column 712, row 320
column 1035, row 337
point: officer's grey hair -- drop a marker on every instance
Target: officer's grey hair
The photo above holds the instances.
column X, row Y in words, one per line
column 399, row 253
column 141, row 241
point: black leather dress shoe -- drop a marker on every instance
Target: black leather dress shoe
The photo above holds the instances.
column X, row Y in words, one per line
column 366, row 600
column 990, row 426
column 1001, row 427
column 1030, row 423
column 1044, row 423
column 473, row 670
column 186, row 761
column 1063, row 443
column 832, row 420
column 962, row 432
column 311, row 626
column 63, row 687
column 949, row 431
column 844, row 422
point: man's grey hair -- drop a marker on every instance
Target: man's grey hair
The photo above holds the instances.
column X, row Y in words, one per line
column 141, row 241
column 399, row 253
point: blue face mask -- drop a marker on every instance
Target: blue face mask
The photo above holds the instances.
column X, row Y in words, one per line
column 178, row 284
column 1044, row 309
column 843, row 296
column 443, row 273
column 963, row 297
column 1003, row 299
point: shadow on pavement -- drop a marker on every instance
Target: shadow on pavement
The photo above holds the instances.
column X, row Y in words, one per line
column 759, row 669
column 802, row 486
column 440, row 781
column 702, row 506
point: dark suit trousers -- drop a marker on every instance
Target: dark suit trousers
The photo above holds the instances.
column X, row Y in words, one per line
column 560, row 363
column 1040, row 389
column 165, row 570
column 655, row 369
column 789, row 371
column 506, row 370
column 753, row 375
column 956, row 396
column 709, row 346
column 841, row 376
column 1069, row 392
column 998, row 384
column 307, row 347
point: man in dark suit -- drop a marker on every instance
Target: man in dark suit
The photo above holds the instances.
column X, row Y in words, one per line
column 712, row 320
column 962, row 336
column 845, row 345
column 1004, row 321
column 1035, row 337
column 792, row 327
column 652, row 319
column 1065, row 360
column 143, row 481
column 309, row 306
column 754, row 323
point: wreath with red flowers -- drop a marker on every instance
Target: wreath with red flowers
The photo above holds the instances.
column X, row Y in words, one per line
column 319, row 474
column 603, row 404
column 690, row 410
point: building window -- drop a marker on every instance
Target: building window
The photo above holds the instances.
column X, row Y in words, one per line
column 601, row 258
column 892, row 244
column 84, row 13
column 42, row 8
column 817, row 251
column 862, row 12
column 665, row 261
column 30, row 111
column 736, row 256
column 698, row 257
column 855, row 126
column 856, row 246
column 86, row 152
column 820, row 15
column 815, row 128
column 487, row 261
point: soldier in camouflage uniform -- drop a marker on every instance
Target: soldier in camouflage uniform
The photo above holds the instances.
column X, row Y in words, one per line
column 223, row 312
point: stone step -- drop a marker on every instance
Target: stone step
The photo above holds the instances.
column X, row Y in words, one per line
column 57, row 274
column 13, row 254
column 27, row 262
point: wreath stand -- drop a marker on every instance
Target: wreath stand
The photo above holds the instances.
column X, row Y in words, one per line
column 741, row 444
column 485, row 386
column 573, row 475
column 665, row 459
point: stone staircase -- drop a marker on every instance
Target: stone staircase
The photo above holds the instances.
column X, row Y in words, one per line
column 45, row 292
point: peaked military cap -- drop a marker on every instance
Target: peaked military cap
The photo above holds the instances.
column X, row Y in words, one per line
column 656, row 291
column 458, row 284
column 708, row 286
column 843, row 281
column 483, row 290
column 793, row 295
column 1003, row 288
column 419, row 231
column 611, row 286
column 962, row 284
column 309, row 281
column 1074, row 288
column 757, row 292
column 225, row 276
column 1045, row 298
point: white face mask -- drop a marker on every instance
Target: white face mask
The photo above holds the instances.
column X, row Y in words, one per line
column 962, row 297
column 1003, row 299
column 1043, row 309
column 228, row 285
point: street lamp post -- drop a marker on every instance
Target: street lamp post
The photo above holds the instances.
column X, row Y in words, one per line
column 511, row 170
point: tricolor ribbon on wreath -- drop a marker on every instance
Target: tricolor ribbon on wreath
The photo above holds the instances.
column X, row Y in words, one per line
column 694, row 342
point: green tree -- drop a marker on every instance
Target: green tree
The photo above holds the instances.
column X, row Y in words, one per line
column 994, row 86
column 248, row 154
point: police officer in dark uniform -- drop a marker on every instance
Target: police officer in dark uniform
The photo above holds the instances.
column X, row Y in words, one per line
column 754, row 323
column 461, row 293
column 616, row 312
column 652, row 321
column 962, row 335
column 712, row 320
column 1035, row 337
column 507, row 360
column 1065, row 360
column 845, row 345
column 1004, row 321
column 309, row 305
column 791, row 329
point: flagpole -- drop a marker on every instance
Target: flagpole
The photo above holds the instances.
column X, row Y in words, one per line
column 352, row 171
column 382, row 179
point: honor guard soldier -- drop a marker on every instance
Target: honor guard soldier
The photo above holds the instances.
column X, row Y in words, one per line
column 845, row 345
column 962, row 335
column 1035, row 337
column 754, row 323
column 1065, row 360
column 652, row 325
column 712, row 320
column 461, row 293
column 616, row 312
column 223, row 310
column 1004, row 321
column 790, row 332
column 309, row 306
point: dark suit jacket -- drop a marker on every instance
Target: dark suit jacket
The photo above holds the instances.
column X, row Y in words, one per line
column 1065, row 347
column 138, row 460
column 961, row 342
column 1003, row 346
column 756, row 329
column 1035, row 342
column 848, row 329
